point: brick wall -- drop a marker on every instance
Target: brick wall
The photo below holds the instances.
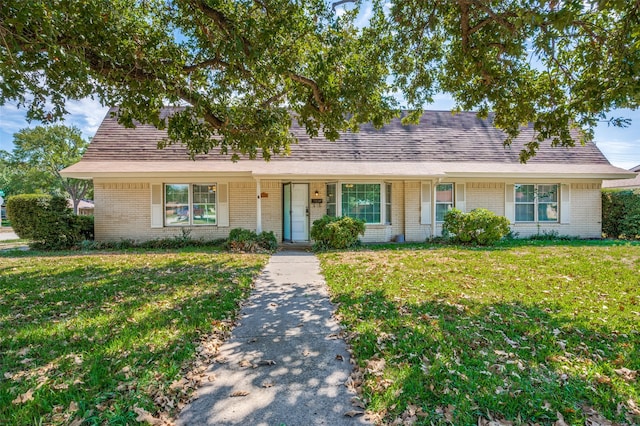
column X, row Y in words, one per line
column 488, row 195
column 586, row 215
column 272, row 207
column 123, row 211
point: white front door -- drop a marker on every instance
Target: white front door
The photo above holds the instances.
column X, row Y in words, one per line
column 300, row 212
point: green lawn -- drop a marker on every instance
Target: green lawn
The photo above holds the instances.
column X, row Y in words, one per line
column 109, row 337
column 528, row 334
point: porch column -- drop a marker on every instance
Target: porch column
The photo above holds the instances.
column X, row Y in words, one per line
column 258, row 208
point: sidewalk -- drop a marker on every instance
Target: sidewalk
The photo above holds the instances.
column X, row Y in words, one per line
column 285, row 353
column 7, row 234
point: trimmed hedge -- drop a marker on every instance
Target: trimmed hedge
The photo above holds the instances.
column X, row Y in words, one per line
column 621, row 213
column 479, row 226
column 47, row 221
column 336, row 232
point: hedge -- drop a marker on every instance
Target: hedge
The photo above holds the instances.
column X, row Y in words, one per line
column 621, row 213
column 47, row 221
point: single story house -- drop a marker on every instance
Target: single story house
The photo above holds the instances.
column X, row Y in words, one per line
column 85, row 207
column 400, row 179
column 624, row 183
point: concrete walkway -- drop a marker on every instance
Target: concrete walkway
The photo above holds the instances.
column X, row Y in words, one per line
column 285, row 353
column 7, row 234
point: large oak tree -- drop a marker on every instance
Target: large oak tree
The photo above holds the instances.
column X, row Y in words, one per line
column 242, row 66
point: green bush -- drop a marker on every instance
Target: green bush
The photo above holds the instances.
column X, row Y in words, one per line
column 621, row 214
column 479, row 226
column 47, row 221
column 244, row 240
column 336, row 232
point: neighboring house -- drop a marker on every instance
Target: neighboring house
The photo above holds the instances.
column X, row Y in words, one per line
column 624, row 183
column 85, row 207
column 400, row 179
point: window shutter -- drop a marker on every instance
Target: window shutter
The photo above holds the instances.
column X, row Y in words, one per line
column 425, row 212
column 223, row 205
column 156, row 206
column 509, row 204
column 565, row 203
column 461, row 203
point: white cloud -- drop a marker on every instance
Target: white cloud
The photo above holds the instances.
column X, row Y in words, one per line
column 621, row 153
column 86, row 114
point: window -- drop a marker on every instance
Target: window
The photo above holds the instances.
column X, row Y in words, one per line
column 186, row 204
column 366, row 201
column 536, row 203
column 444, row 200
column 361, row 201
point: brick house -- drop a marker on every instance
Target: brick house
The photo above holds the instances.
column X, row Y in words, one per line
column 400, row 179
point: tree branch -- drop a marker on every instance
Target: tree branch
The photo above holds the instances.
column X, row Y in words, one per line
column 221, row 22
column 317, row 93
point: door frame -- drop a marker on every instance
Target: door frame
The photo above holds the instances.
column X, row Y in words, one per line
column 287, row 211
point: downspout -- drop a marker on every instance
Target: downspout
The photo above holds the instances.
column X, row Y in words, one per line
column 258, row 208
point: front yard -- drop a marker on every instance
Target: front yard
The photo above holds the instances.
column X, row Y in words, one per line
column 522, row 334
column 105, row 338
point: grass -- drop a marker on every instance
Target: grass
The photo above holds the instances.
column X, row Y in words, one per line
column 107, row 336
column 523, row 333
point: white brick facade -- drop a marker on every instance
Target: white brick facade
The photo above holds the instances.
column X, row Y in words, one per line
column 123, row 210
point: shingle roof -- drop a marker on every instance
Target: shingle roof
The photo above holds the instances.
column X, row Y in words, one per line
column 440, row 137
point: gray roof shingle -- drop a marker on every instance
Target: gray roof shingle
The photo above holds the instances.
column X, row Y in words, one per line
column 440, row 137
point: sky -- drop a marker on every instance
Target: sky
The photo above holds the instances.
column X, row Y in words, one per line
column 621, row 146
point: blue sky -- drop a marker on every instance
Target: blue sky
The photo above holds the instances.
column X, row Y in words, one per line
column 621, row 146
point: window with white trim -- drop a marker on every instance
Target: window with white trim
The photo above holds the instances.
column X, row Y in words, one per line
column 444, row 200
column 536, row 202
column 189, row 204
column 366, row 201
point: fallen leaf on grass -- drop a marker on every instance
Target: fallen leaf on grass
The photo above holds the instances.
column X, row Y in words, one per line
column 560, row 421
column 353, row 413
column 594, row 418
column 626, row 374
column 76, row 422
column 27, row 396
column 145, row 416
column 633, row 407
column 73, row 407
column 448, row 413
column 23, row 351
column 239, row 393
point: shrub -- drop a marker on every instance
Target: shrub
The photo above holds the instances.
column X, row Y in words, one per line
column 336, row 232
column 47, row 221
column 84, row 226
column 244, row 240
column 621, row 214
column 479, row 226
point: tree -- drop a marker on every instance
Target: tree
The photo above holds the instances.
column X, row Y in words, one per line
column 241, row 67
column 38, row 156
